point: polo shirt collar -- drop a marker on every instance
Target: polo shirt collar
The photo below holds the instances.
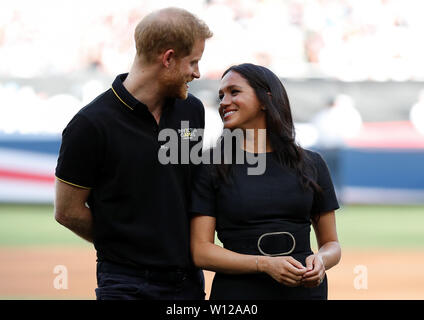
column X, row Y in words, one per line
column 128, row 100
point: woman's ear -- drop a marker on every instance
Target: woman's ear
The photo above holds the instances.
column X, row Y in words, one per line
column 270, row 95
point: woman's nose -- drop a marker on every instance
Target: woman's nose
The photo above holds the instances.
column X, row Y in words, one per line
column 225, row 101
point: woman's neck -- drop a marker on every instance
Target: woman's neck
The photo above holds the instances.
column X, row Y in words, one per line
column 256, row 141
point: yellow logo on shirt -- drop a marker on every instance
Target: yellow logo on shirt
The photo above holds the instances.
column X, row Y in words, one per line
column 187, row 133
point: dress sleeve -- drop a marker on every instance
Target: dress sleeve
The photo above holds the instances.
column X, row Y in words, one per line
column 327, row 200
column 78, row 156
column 203, row 196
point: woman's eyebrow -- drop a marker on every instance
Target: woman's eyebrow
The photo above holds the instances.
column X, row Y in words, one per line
column 232, row 86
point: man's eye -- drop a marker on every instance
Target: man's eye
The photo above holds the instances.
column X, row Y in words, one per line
column 234, row 91
column 220, row 97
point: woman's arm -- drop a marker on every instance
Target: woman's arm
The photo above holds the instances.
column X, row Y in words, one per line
column 207, row 255
column 329, row 251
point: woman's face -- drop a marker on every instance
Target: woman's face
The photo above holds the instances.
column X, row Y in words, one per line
column 239, row 106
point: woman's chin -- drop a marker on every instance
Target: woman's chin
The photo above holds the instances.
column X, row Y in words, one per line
column 230, row 126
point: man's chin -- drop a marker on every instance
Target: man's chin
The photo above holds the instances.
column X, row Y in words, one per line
column 180, row 93
column 183, row 94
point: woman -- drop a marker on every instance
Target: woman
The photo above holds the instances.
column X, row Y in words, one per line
column 264, row 220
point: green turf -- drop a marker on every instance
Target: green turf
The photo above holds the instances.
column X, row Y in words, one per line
column 381, row 226
column 357, row 226
column 33, row 225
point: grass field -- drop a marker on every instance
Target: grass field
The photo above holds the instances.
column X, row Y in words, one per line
column 33, row 225
column 381, row 227
column 358, row 227
column 384, row 239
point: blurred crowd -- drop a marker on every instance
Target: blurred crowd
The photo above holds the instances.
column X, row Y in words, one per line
column 345, row 39
column 25, row 110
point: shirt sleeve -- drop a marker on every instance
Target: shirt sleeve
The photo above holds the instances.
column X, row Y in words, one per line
column 327, row 200
column 200, row 126
column 203, row 196
column 78, row 155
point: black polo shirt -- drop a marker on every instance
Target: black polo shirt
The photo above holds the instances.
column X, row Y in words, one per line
column 139, row 205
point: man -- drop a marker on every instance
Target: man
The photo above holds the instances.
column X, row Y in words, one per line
column 111, row 189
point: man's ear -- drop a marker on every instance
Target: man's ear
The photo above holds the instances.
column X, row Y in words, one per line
column 167, row 57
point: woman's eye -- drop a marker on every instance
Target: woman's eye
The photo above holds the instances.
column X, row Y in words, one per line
column 233, row 92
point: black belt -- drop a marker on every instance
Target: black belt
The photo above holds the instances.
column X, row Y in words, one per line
column 273, row 243
column 159, row 275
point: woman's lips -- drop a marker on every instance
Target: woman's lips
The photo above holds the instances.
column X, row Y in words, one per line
column 228, row 114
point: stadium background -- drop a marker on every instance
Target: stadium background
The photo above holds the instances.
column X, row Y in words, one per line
column 57, row 55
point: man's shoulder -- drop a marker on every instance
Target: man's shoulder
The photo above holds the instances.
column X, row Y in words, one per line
column 191, row 102
column 190, row 109
column 97, row 106
column 194, row 100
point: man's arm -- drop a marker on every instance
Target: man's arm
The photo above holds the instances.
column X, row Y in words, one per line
column 70, row 209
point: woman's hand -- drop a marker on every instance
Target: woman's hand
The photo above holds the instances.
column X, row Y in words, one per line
column 315, row 271
column 285, row 270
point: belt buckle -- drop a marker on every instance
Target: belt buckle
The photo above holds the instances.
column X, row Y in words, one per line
column 275, row 254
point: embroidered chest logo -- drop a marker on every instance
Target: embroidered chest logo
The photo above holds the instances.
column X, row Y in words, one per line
column 188, row 133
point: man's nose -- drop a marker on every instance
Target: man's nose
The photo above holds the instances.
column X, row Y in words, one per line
column 196, row 73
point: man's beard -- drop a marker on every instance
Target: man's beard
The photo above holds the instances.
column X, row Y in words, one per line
column 175, row 86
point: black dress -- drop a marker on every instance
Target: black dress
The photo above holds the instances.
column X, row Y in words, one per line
column 263, row 214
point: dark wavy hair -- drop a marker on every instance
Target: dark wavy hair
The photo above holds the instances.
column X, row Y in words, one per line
column 280, row 127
